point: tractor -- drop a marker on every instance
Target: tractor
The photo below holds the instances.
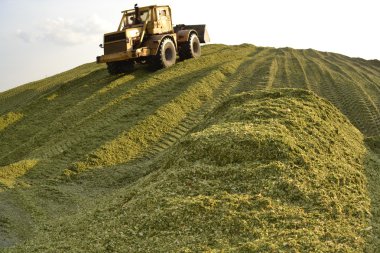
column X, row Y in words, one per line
column 146, row 35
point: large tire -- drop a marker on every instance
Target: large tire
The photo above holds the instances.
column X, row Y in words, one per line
column 191, row 48
column 166, row 55
column 119, row 67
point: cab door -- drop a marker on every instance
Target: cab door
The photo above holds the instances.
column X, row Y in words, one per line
column 164, row 21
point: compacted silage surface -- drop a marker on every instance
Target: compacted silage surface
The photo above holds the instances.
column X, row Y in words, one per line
column 77, row 151
column 267, row 171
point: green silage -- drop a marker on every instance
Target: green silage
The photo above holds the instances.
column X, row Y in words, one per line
column 9, row 119
column 121, row 168
column 258, row 175
column 9, row 174
column 373, row 143
column 269, row 171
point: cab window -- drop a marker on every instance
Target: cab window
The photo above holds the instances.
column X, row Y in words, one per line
column 144, row 16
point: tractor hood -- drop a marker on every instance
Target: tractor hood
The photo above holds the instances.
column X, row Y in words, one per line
column 133, row 32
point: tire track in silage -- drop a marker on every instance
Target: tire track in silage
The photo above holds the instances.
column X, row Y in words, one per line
column 272, row 72
column 94, row 122
column 254, row 73
column 195, row 117
column 345, row 95
column 294, row 71
column 367, row 93
column 240, row 76
column 131, row 107
column 170, row 129
column 163, row 124
column 322, row 82
column 299, row 61
column 281, row 80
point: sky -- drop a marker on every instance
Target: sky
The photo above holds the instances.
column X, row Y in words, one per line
column 40, row 38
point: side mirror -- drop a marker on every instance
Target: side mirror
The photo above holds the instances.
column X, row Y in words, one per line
column 101, row 46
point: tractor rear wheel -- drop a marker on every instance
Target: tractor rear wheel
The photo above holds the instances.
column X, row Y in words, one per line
column 191, row 48
column 166, row 55
column 119, row 67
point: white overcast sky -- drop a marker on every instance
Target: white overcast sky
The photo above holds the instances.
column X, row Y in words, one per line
column 40, row 38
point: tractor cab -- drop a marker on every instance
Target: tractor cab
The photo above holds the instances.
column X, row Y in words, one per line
column 155, row 19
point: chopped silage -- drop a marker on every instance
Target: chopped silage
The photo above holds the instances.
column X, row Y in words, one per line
column 268, row 171
column 8, row 119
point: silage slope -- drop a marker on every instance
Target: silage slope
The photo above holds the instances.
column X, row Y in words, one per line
column 351, row 84
column 61, row 114
column 82, row 135
column 270, row 171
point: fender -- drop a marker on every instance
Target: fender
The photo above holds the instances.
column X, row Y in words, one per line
column 154, row 41
column 184, row 35
column 200, row 30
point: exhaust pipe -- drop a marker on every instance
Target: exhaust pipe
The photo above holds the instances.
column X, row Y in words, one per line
column 137, row 15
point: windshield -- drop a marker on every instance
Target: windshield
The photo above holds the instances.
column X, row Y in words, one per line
column 130, row 18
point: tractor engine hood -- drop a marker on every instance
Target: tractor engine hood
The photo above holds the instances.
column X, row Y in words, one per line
column 133, row 32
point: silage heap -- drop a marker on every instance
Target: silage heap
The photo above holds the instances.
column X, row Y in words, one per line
column 272, row 169
column 267, row 171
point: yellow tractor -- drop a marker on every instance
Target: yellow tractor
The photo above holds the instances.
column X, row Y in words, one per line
column 147, row 35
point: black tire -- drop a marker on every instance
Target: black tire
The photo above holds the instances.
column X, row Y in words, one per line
column 191, row 48
column 119, row 67
column 166, row 55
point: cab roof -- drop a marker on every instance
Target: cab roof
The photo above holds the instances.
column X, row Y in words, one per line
column 145, row 8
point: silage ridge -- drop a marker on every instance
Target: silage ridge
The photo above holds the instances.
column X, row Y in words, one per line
column 133, row 142
column 9, row 119
column 102, row 109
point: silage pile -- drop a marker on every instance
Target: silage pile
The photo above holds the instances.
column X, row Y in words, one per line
column 275, row 170
column 270, row 171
